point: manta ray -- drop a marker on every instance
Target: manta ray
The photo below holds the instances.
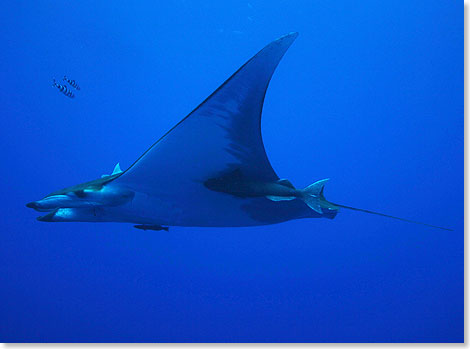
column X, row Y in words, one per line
column 209, row 170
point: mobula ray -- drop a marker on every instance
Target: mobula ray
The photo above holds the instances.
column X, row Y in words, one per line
column 209, row 170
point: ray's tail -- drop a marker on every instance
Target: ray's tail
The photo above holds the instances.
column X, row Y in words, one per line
column 314, row 198
column 389, row 216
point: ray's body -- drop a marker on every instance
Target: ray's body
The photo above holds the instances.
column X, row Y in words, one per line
column 210, row 169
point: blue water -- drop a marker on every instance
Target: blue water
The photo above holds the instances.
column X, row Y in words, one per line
column 369, row 95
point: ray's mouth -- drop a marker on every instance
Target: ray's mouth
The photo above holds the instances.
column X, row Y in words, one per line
column 48, row 217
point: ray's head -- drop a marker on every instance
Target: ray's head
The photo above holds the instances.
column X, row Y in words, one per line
column 97, row 193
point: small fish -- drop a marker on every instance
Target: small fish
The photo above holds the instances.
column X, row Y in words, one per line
column 72, row 83
column 151, row 227
column 63, row 89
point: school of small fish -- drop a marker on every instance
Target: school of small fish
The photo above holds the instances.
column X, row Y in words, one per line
column 72, row 83
column 64, row 89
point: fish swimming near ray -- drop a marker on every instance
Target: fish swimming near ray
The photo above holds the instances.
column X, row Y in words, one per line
column 71, row 82
column 155, row 227
column 63, row 89
column 209, row 170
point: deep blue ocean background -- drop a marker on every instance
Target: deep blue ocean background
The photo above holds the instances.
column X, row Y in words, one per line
column 370, row 95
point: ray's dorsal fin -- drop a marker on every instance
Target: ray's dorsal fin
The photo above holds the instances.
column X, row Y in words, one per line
column 222, row 134
column 117, row 169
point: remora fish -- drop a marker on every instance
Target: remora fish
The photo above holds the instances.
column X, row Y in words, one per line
column 155, row 227
column 209, row 170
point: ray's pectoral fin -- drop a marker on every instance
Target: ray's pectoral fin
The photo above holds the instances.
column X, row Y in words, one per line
column 227, row 125
column 228, row 183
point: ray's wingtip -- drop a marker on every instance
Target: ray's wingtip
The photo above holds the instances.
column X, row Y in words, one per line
column 285, row 40
column 290, row 35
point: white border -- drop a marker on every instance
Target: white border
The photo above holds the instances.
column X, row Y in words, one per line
column 245, row 346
